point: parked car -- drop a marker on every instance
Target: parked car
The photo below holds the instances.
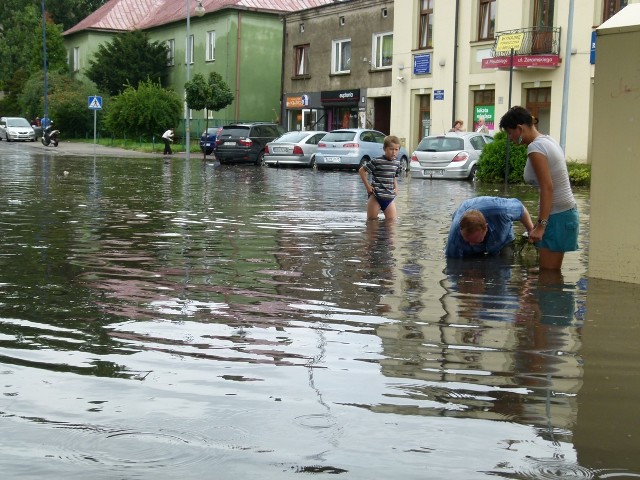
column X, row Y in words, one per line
column 351, row 147
column 245, row 142
column 294, row 148
column 208, row 139
column 16, row 128
column 450, row 156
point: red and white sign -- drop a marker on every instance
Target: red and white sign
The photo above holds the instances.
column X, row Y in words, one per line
column 522, row 61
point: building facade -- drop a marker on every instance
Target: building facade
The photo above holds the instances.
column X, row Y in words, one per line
column 337, row 66
column 452, row 60
column 241, row 40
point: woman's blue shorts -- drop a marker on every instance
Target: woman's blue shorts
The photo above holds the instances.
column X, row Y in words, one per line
column 561, row 234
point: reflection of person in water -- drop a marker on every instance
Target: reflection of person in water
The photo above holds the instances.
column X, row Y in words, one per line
column 547, row 299
column 481, row 288
column 379, row 254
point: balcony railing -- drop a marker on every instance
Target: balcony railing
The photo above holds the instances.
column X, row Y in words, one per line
column 536, row 41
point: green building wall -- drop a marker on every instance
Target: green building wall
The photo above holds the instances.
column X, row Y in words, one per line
column 248, row 56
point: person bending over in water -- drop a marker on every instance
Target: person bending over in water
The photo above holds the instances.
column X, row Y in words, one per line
column 484, row 226
column 380, row 178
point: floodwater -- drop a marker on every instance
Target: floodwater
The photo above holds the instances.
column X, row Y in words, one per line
column 173, row 319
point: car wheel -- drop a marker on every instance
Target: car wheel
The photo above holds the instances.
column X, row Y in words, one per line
column 260, row 159
column 473, row 174
column 312, row 163
column 404, row 164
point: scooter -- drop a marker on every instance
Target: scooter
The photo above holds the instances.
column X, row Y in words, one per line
column 50, row 136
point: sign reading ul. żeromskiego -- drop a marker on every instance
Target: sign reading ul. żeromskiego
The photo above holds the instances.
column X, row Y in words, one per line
column 521, row 61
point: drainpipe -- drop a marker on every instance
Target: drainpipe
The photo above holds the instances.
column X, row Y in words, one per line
column 454, row 92
column 565, row 85
column 284, row 45
column 238, row 37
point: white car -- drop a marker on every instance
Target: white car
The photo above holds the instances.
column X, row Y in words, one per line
column 294, row 148
column 452, row 156
column 352, row 147
column 16, row 128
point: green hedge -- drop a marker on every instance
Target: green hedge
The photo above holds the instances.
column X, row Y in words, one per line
column 491, row 164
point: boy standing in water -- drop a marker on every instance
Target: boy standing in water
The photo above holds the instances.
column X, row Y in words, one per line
column 384, row 173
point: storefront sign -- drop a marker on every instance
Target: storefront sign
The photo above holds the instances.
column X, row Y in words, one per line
column 340, row 97
column 522, row 61
column 300, row 101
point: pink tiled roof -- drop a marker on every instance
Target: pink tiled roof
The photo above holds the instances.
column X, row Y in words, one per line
column 125, row 15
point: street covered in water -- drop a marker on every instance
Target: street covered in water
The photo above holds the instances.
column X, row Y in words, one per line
column 165, row 318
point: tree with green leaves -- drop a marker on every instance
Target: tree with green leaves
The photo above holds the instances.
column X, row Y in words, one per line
column 67, row 102
column 21, row 52
column 213, row 95
column 130, row 58
column 146, row 110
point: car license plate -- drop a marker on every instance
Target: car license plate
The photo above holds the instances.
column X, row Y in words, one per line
column 279, row 150
column 434, row 173
column 207, row 144
column 332, row 159
column 230, row 143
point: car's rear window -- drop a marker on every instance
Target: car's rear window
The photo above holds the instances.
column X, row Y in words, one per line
column 293, row 137
column 440, row 144
column 234, row 132
column 339, row 136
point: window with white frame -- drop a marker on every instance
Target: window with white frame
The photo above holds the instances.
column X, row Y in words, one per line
column 188, row 54
column 171, row 52
column 382, row 50
column 301, row 60
column 76, row 59
column 341, row 56
column 211, row 45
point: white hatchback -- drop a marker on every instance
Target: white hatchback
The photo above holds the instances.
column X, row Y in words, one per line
column 451, row 156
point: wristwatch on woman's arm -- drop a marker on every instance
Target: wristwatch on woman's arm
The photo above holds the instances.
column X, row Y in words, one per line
column 543, row 222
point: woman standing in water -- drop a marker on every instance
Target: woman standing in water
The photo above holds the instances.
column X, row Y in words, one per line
column 557, row 229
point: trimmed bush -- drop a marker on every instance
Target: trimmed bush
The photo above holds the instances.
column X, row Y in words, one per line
column 491, row 164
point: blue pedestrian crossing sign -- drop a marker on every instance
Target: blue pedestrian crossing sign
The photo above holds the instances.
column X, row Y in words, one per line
column 95, row 103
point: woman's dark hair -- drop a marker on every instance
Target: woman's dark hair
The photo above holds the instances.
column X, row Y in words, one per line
column 516, row 116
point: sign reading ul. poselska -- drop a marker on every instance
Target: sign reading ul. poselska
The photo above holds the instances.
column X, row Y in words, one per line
column 522, row 61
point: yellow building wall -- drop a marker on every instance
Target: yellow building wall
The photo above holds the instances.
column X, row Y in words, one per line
column 614, row 246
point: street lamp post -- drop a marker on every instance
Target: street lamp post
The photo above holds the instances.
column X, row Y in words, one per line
column 44, row 65
column 199, row 12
